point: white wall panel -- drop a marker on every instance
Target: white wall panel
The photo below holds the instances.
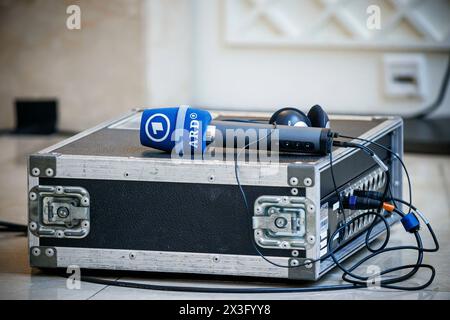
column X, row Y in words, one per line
column 240, row 57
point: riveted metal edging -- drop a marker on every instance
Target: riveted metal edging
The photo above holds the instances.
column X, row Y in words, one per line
column 42, row 165
column 304, row 270
column 301, row 175
column 44, row 257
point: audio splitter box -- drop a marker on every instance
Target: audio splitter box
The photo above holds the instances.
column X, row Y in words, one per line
column 101, row 200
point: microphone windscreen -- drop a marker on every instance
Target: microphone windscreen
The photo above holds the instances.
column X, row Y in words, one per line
column 182, row 128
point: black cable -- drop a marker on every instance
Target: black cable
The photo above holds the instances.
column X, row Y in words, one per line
column 340, row 207
column 137, row 285
column 379, row 210
column 430, row 229
column 356, row 281
column 247, row 207
column 375, row 252
column 392, row 153
column 353, row 284
column 350, row 277
column 340, row 210
column 440, row 98
column 232, row 290
column 347, row 145
column 6, row 226
column 387, row 283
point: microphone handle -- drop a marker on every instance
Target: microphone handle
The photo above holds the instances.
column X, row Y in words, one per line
column 290, row 139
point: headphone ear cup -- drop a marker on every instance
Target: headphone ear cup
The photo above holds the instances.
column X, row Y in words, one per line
column 318, row 117
column 290, row 117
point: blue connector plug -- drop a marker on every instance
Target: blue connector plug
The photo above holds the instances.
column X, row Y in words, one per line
column 410, row 222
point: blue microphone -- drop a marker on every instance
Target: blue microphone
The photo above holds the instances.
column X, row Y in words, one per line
column 183, row 128
column 186, row 130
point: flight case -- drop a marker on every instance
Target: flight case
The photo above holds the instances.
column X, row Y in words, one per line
column 100, row 200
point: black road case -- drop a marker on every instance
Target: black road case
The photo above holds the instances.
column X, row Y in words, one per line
column 100, row 200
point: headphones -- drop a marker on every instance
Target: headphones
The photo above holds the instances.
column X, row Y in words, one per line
column 297, row 132
column 291, row 116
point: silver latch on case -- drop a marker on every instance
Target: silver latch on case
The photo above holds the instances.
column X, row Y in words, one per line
column 281, row 222
column 59, row 212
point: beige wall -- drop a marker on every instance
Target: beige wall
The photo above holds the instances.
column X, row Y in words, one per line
column 165, row 52
column 265, row 75
column 96, row 72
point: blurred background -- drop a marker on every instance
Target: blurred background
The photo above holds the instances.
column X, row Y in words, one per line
column 350, row 56
column 68, row 65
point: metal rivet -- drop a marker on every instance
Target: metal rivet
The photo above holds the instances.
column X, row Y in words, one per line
column 35, row 172
column 311, row 239
column 59, row 189
column 295, row 253
column 60, row 233
column 294, row 191
column 62, row 212
column 33, row 225
column 49, row 252
column 258, row 209
column 216, row 259
column 285, row 199
column 308, row 264
column 294, row 263
column 307, row 182
column 311, row 208
column 132, row 255
column 36, row 252
column 85, row 201
column 280, row 222
column 33, row 196
column 258, row 232
column 285, row 244
column 49, row 172
column 211, row 178
column 293, row 181
column 85, row 224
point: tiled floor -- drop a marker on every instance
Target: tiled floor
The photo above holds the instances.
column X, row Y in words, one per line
column 431, row 186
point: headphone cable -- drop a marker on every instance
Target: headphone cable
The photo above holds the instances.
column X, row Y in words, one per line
column 360, row 282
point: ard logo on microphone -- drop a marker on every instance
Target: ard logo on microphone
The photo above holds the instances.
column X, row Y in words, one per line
column 194, row 128
column 157, row 127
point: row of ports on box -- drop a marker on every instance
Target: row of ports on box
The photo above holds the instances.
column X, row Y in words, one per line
column 357, row 225
column 374, row 181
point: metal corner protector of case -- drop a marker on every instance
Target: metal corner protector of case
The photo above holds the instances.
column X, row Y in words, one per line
column 43, row 257
column 42, row 165
column 301, row 175
column 304, row 271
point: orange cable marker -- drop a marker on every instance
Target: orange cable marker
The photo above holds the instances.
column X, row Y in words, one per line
column 388, row 207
